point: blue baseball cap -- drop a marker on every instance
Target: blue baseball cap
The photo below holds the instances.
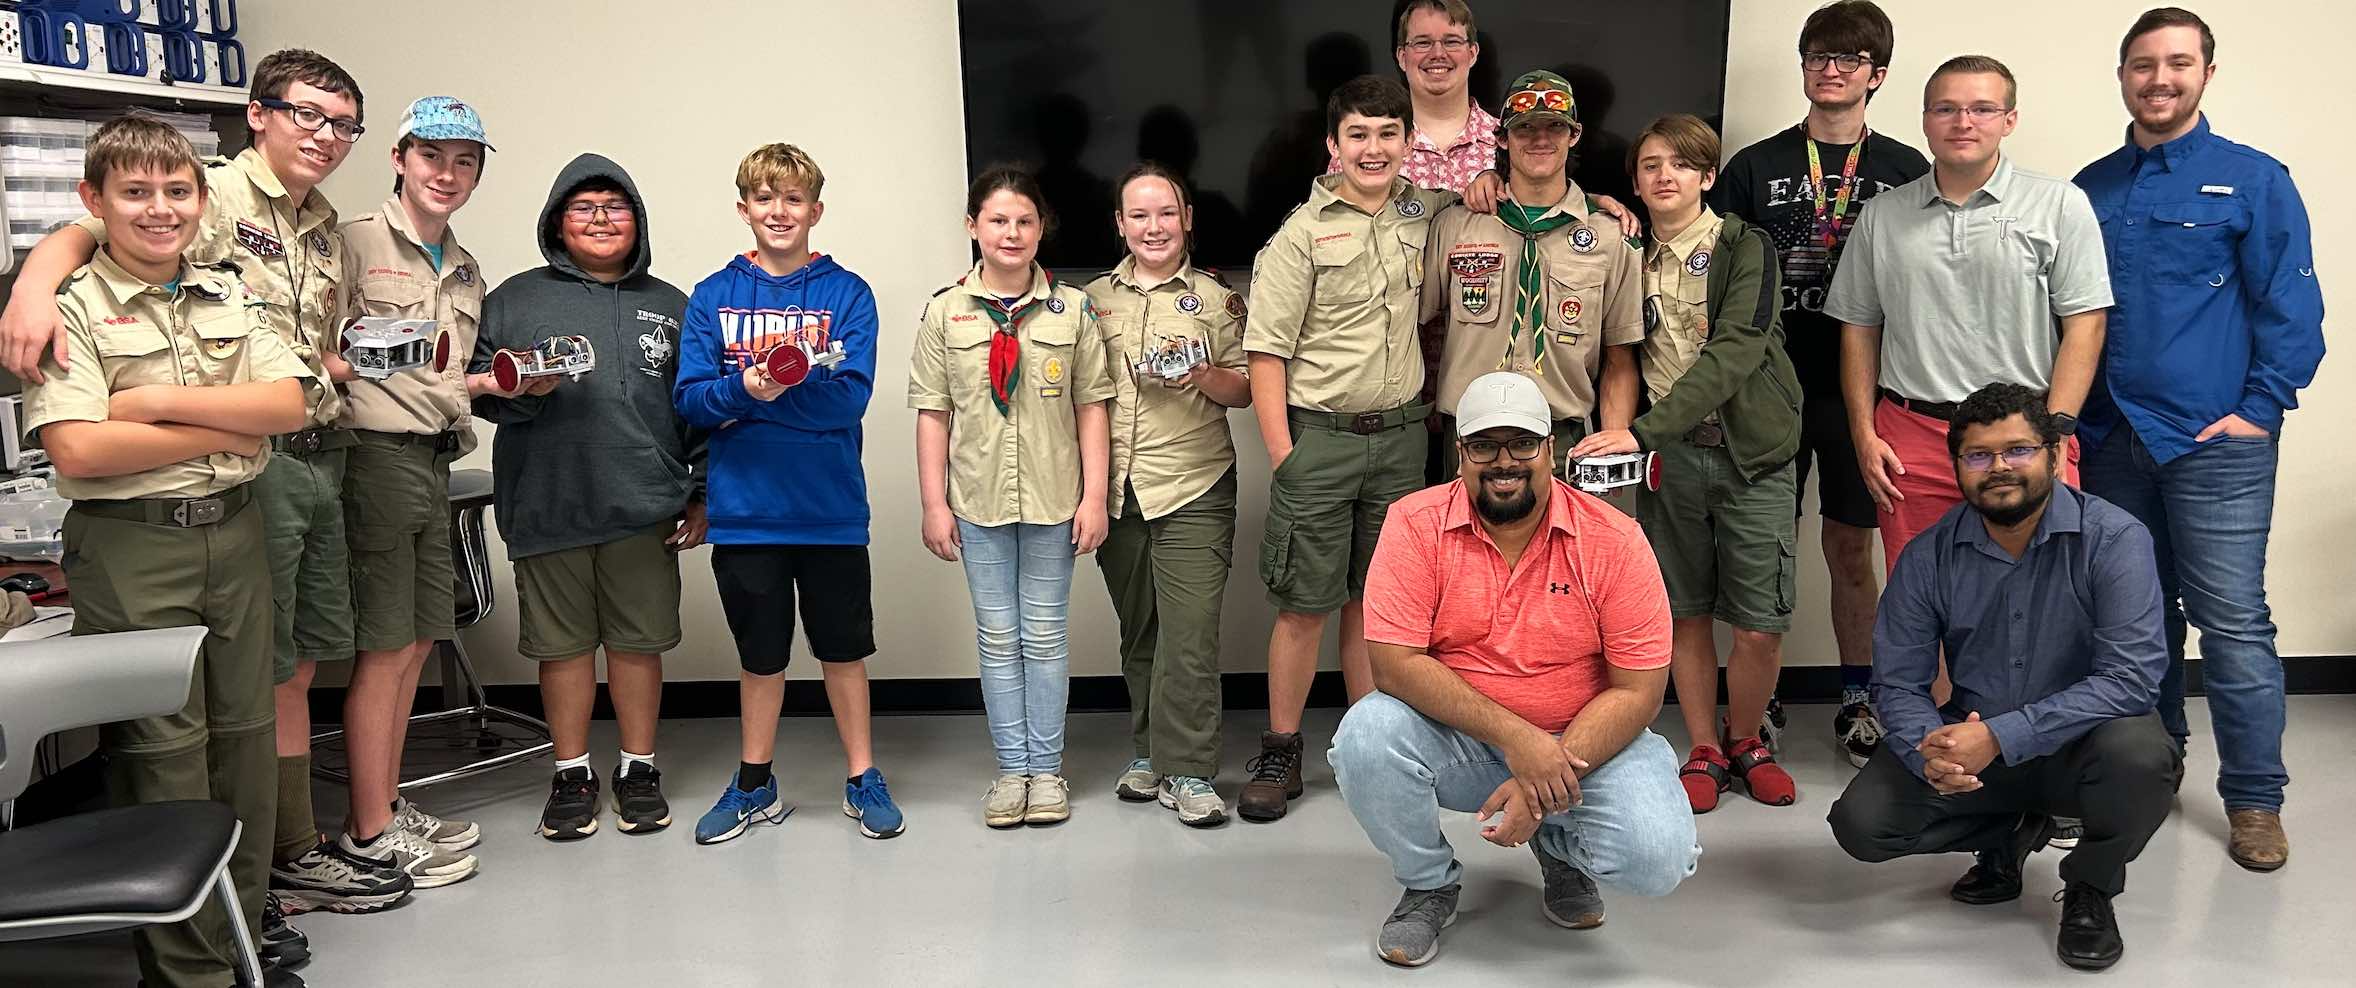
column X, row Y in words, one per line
column 443, row 118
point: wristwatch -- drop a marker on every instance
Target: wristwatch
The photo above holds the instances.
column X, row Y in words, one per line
column 2064, row 423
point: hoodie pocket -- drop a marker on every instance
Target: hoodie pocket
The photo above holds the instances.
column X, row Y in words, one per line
column 771, row 477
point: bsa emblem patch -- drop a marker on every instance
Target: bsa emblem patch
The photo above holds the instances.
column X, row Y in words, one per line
column 1235, row 306
column 1411, row 207
column 1055, row 305
column 1475, row 263
column 259, row 242
column 318, row 242
column 1473, row 294
column 1570, row 310
column 1190, row 303
column 1053, row 371
column 1583, row 240
column 1699, row 263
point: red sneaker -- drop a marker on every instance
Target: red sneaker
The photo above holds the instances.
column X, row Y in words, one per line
column 1768, row 782
column 1705, row 775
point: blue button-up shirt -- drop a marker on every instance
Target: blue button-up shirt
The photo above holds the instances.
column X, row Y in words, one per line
column 2044, row 648
column 2218, row 310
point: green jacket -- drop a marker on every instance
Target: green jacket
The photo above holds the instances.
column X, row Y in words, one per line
column 1742, row 372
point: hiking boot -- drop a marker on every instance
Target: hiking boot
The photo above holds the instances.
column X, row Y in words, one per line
column 1276, row 778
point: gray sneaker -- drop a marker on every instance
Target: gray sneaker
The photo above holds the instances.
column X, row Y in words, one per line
column 1137, row 782
column 450, row 835
column 1198, row 804
column 1570, row 899
column 1411, row 937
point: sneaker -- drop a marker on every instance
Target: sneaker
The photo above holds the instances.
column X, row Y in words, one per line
column 1859, row 731
column 1411, row 937
column 452, row 835
column 1050, row 800
column 1276, row 778
column 638, row 799
column 1198, row 804
column 1766, row 781
column 2066, row 831
column 738, row 810
column 1705, row 775
column 1570, row 899
column 427, row 864
column 1137, row 784
column 870, row 803
column 1771, row 726
column 2089, row 938
column 333, row 878
column 571, row 813
column 1006, row 802
column 281, row 945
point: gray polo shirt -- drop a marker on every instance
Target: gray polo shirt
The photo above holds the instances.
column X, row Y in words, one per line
column 1971, row 294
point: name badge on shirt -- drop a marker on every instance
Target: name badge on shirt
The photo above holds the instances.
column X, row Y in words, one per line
column 2216, row 190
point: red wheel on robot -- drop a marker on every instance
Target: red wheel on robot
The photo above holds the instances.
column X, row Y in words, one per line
column 1652, row 471
column 442, row 352
column 506, row 372
column 786, row 364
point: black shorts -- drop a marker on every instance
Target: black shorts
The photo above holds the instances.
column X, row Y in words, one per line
column 1840, row 491
column 758, row 586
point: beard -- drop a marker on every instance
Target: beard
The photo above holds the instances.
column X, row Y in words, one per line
column 2188, row 105
column 2034, row 493
column 1505, row 510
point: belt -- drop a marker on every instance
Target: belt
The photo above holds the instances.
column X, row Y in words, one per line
column 312, row 441
column 1944, row 411
column 1709, row 435
column 445, row 441
column 185, row 512
column 1362, row 423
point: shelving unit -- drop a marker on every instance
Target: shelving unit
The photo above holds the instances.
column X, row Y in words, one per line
column 143, row 91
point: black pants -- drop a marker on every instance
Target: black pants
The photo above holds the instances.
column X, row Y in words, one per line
column 2119, row 778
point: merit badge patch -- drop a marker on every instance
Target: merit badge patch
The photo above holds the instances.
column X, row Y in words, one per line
column 1473, row 294
column 1053, row 370
column 257, row 241
column 1411, row 207
column 1190, row 303
column 1235, row 306
column 1570, row 310
column 1055, row 305
column 1699, row 263
column 1475, row 263
column 1583, row 240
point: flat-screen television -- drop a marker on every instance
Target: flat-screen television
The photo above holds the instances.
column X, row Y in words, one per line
column 1232, row 94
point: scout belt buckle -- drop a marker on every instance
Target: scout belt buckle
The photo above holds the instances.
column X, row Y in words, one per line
column 200, row 511
column 446, row 442
column 305, row 442
column 1707, row 434
column 1367, row 423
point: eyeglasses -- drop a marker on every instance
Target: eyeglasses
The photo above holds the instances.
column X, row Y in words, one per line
column 2015, row 457
column 1979, row 112
column 311, row 121
column 1815, row 61
column 591, row 212
column 1485, row 450
column 1424, row 46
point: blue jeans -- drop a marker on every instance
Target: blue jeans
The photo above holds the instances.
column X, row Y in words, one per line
column 2209, row 512
column 1020, row 577
column 1631, row 830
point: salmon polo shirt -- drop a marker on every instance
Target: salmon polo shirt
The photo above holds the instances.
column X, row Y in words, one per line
column 1541, row 638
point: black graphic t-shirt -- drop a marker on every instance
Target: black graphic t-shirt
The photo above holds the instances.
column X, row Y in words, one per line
column 1767, row 184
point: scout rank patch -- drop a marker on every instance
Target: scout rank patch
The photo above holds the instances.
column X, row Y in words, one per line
column 1052, row 371
column 1190, row 303
column 1472, row 269
column 1583, row 240
column 1699, row 263
column 1570, row 311
column 257, row 241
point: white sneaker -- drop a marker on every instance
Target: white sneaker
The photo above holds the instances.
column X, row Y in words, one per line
column 1137, row 782
column 1050, row 799
column 1198, row 804
column 427, row 865
column 451, row 835
column 1007, row 800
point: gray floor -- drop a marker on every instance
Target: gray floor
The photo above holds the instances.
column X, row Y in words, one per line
column 1122, row 892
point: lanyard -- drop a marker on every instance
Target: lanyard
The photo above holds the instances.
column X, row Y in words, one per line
column 1828, row 230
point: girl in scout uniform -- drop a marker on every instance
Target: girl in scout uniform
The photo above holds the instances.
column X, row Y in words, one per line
column 1009, row 382
column 1175, row 333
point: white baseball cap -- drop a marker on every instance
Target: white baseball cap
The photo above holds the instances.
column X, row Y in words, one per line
column 1503, row 398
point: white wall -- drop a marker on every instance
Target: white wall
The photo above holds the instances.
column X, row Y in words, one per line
column 871, row 89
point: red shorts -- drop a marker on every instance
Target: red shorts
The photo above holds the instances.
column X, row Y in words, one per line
column 1928, row 484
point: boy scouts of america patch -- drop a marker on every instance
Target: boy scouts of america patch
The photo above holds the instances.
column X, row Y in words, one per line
column 1474, row 264
column 1473, row 294
column 1583, row 240
column 1570, row 311
column 318, row 244
column 1411, row 207
column 1055, row 305
column 1235, row 306
column 1190, row 303
column 257, row 241
column 1699, row 263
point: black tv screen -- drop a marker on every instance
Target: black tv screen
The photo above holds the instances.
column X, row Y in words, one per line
column 1232, row 94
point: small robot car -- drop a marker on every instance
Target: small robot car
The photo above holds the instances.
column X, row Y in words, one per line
column 1174, row 359
column 379, row 347
column 568, row 355
column 1602, row 474
column 789, row 364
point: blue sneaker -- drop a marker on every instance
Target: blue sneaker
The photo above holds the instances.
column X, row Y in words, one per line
column 738, row 809
column 868, row 802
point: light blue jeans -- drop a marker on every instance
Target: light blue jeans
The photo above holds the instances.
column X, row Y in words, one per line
column 1632, row 829
column 1020, row 577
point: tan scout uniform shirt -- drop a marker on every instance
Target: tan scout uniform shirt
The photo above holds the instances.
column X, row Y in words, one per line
column 1335, row 294
column 1171, row 444
column 391, row 275
column 1677, row 288
column 289, row 256
column 1591, row 291
column 123, row 333
column 1024, row 465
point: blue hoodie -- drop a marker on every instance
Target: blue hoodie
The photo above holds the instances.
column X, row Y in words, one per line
column 783, row 472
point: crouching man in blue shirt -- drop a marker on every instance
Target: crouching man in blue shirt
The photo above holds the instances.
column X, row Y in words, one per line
column 2047, row 605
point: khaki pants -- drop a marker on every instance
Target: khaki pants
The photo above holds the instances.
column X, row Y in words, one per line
column 1167, row 577
column 132, row 575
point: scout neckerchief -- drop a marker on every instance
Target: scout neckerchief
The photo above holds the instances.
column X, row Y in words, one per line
column 1529, row 299
column 1828, row 228
column 1006, row 350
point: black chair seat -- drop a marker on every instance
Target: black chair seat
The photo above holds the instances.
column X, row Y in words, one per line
column 150, row 858
column 469, row 489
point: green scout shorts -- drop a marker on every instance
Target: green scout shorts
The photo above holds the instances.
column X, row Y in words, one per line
column 397, row 523
column 310, row 568
column 1326, row 503
column 1725, row 547
column 622, row 594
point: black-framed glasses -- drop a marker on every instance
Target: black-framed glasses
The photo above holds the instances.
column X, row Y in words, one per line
column 1485, row 450
column 591, row 212
column 2015, row 457
column 1815, row 61
column 311, row 120
column 1424, row 46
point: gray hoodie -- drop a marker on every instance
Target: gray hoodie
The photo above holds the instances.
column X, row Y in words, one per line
column 604, row 457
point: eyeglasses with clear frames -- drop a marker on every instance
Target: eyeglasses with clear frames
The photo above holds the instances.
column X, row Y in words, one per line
column 2015, row 457
column 311, row 121
column 1979, row 112
column 1424, row 46
column 591, row 212
column 1485, row 450
column 1815, row 61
